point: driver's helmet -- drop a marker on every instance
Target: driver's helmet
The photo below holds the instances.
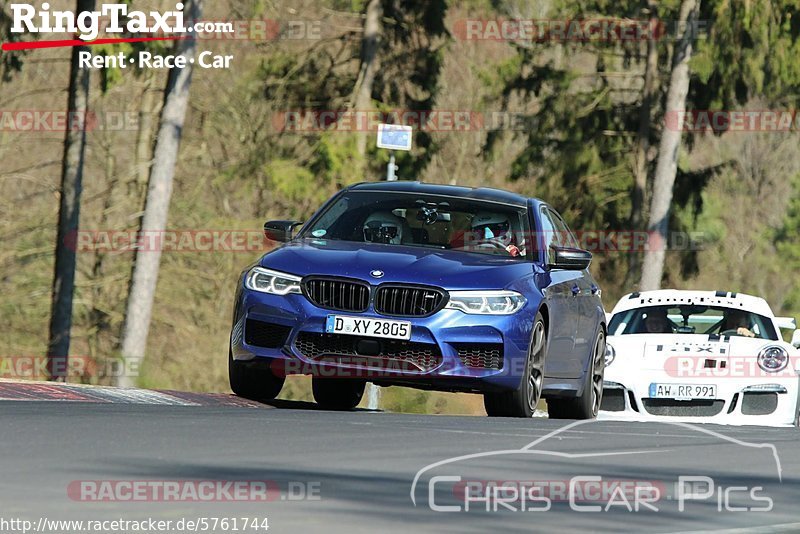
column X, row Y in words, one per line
column 495, row 226
column 383, row 227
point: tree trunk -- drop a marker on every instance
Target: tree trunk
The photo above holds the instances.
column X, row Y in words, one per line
column 147, row 108
column 649, row 90
column 145, row 272
column 668, row 149
column 69, row 213
column 362, row 100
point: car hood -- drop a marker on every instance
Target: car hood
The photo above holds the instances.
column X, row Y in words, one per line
column 430, row 266
column 659, row 352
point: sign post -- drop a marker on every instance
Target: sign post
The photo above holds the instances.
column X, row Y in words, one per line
column 393, row 137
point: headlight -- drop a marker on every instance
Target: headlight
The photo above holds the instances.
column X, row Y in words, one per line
column 266, row 281
column 773, row 358
column 610, row 354
column 486, row 302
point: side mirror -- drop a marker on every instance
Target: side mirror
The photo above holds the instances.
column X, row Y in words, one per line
column 571, row 259
column 787, row 323
column 796, row 339
column 280, row 231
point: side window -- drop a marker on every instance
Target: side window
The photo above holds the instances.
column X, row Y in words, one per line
column 567, row 237
column 548, row 234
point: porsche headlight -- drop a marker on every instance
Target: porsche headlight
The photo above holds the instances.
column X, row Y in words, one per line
column 486, row 302
column 274, row 282
column 610, row 354
column 773, row 358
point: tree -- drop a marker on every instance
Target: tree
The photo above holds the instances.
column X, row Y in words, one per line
column 165, row 155
column 362, row 94
column 69, row 212
column 669, row 146
column 640, row 163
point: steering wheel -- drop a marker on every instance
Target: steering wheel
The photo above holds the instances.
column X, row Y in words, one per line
column 730, row 332
column 496, row 243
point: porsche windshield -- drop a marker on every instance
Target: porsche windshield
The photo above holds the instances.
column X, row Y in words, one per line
column 692, row 319
column 411, row 219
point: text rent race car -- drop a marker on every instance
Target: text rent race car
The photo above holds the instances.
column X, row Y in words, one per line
column 428, row 286
column 699, row 356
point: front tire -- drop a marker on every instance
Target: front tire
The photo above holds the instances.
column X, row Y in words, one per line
column 522, row 402
column 587, row 404
column 253, row 380
column 337, row 394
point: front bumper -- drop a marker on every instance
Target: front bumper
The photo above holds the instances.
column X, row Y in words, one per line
column 448, row 350
column 740, row 401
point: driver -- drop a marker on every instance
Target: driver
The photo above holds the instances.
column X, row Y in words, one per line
column 495, row 227
column 738, row 320
column 657, row 322
column 383, row 227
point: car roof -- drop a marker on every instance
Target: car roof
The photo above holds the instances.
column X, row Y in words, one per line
column 457, row 191
column 725, row 299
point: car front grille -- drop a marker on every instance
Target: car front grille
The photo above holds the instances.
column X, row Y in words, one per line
column 369, row 352
column 337, row 294
column 679, row 408
column 262, row 334
column 408, row 301
column 480, row 355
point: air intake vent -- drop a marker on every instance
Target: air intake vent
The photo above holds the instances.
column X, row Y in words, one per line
column 268, row 335
column 408, row 301
column 337, row 294
column 680, row 408
column 389, row 354
column 480, row 355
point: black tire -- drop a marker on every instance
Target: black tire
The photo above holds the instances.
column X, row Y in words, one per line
column 253, row 380
column 587, row 404
column 522, row 402
column 337, row 394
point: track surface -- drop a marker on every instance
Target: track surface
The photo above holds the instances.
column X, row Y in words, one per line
column 363, row 463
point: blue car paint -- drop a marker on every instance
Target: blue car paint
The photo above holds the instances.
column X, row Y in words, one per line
column 574, row 318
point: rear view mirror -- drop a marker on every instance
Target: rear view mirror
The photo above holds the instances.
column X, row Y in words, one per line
column 572, row 259
column 796, row 339
column 280, row 231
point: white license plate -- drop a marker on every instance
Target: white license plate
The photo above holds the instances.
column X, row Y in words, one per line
column 683, row 391
column 360, row 326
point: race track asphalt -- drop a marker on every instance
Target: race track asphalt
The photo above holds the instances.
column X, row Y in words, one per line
column 353, row 472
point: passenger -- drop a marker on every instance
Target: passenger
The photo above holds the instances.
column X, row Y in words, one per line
column 386, row 228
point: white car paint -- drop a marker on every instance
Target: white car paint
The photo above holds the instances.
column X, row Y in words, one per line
column 697, row 359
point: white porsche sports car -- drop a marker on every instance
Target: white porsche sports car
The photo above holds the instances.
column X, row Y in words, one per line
column 700, row 356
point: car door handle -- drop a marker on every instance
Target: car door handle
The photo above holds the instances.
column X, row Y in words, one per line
column 575, row 290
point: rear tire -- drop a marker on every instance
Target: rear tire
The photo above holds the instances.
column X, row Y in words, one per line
column 253, row 379
column 522, row 402
column 587, row 404
column 337, row 394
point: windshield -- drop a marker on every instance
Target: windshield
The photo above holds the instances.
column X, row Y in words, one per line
column 692, row 319
column 433, row 221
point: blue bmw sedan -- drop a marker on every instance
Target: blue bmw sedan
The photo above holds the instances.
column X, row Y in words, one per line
column 429, row 286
